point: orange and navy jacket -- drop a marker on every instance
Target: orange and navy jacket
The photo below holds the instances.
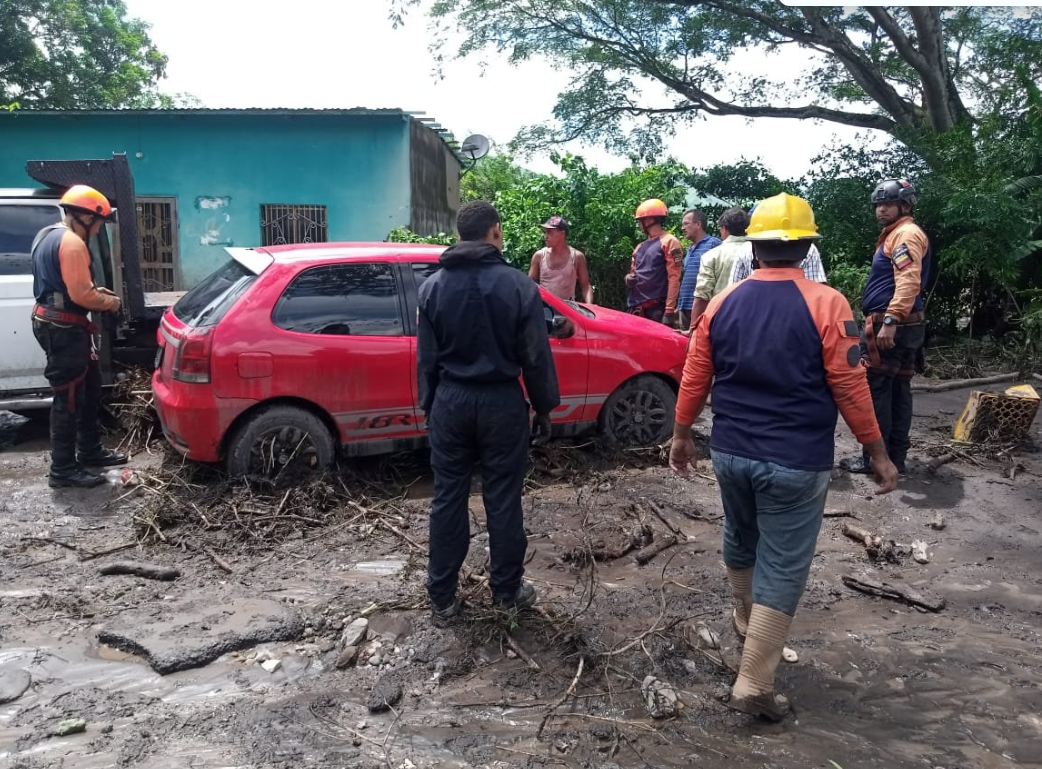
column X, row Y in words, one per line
column 900, row 267
column 61, row 265
column 658, row 263
column 781, row 354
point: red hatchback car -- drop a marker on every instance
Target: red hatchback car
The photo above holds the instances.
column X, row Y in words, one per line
column 286, row 353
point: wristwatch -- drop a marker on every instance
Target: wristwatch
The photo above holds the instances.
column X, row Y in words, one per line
column 889, row 320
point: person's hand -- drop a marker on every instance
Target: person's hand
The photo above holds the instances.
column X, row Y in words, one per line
column 885, row 336
column 669, row 319
column 105, row 291
column 682, row 453
column 541, row 430
column 885, row 473
column 631, row 280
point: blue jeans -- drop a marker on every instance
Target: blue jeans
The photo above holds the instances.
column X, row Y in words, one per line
column 772, row 515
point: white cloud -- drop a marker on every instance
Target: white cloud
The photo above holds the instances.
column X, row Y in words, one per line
column 313, row 53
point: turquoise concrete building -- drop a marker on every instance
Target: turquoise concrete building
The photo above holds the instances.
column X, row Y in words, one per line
column 207, row 178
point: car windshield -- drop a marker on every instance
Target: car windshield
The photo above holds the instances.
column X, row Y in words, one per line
column 585, row 311
column 208, row 302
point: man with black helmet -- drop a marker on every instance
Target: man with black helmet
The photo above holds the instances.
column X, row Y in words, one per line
column 65, row 295
column 895, row 324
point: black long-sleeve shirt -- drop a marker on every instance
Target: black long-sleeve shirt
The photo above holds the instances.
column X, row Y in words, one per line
column 481, row 321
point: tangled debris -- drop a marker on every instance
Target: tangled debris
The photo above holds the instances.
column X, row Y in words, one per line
column 133, row 407
column 201, row 508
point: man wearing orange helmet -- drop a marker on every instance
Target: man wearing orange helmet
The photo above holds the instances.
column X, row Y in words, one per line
column 653, row 281
column 65, row 294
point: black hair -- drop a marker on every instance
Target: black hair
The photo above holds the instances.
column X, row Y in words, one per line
column 698, row 216
column 475, row 219
column 735, row 220
column 781, row 250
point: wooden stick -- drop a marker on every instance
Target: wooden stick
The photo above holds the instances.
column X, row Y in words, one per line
column 956, row 384
column 656, row 547
column 561, row 700
column 50, row 541
column 657, row 510
column 222, row 564
column 884, row 590
column 99, row 553
column 532, row 664
column 936, row 462
column 412, row 542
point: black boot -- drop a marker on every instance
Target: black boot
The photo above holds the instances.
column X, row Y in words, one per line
column 102, row 457
column 77, row 477
column 65, row 470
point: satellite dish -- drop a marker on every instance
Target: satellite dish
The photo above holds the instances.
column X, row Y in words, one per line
column 475, row 147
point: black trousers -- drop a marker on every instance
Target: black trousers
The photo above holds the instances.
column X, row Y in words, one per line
column 485, row 427
column 74, row 376
column 891, row 387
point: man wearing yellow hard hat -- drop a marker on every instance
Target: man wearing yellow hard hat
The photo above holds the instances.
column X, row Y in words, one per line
column 781, row 355
column 653, row 282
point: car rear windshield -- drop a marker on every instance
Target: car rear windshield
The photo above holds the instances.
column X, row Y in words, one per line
column 208, row 302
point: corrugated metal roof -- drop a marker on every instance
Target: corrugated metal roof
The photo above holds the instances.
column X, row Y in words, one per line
column 428, row 122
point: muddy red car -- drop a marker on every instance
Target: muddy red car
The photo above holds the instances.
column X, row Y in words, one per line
column 287, row 354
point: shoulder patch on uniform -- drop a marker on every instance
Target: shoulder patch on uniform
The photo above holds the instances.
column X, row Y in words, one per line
column 850, row 328
column 901, row 257
column 854, row 355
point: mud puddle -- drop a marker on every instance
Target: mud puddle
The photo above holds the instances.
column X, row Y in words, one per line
column 878, row 684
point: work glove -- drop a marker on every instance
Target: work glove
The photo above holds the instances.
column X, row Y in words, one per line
column 541, row 430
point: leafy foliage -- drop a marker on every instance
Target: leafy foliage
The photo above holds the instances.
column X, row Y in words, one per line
column 639, row 68
column 66, row 54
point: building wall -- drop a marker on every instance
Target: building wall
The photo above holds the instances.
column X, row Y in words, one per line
column 223, row 168
column 434, row 183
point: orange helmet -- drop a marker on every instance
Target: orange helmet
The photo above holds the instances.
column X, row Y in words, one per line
column 651, row 207
column 88, row 200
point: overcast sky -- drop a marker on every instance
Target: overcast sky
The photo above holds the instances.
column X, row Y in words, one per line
column 316, row 53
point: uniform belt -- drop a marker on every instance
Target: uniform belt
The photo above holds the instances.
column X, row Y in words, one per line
column 51, row 315
column 912, row 319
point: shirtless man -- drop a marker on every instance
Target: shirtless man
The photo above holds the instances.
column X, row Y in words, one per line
column 558, row 266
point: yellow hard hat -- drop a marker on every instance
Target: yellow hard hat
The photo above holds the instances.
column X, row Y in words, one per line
column 783, row 217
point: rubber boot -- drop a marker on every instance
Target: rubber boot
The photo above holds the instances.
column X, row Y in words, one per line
column 741, row 582
column 65, row 470
column 88, row 431
column 753, row 690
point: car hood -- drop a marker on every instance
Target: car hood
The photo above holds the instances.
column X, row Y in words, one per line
column 627, row 323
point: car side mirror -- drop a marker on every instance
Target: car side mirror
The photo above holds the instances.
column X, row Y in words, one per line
column 561, row 327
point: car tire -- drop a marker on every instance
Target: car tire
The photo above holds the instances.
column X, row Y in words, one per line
column 275, row 439
column 639, row 413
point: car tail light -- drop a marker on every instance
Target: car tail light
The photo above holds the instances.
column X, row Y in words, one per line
column 192, row 361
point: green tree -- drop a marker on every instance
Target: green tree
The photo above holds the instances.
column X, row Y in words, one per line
column 908, row 71
column 742, row 183
column 78, row 54
column 491, row 174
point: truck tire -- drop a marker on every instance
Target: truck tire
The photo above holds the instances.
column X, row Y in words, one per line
column 639, row 413
column 277, row 440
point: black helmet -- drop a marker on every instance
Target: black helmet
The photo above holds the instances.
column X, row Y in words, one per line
column 894, row 190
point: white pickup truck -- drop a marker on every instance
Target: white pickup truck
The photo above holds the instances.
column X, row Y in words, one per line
column 23, row 213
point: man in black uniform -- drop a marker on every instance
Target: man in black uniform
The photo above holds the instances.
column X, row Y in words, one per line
column 481, row 327
column 65, row 294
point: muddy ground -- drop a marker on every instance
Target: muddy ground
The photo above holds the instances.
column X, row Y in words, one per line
column 878, row 683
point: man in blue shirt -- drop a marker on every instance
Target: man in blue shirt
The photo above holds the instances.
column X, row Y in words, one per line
column 694, row 228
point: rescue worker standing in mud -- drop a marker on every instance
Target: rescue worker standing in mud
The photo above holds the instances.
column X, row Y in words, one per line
column 895, row 324
column 480, row 327
column 653, row 282
column 781, row 355
column 65, row 294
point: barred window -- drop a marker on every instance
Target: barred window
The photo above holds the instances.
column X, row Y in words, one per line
column 283, row 223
